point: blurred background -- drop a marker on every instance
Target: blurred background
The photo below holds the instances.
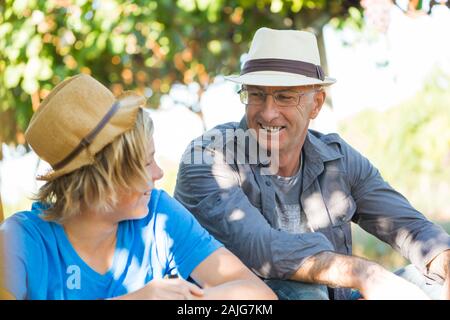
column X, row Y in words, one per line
column 391, row 60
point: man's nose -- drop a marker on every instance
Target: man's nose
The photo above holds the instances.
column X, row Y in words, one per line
column 270, row 109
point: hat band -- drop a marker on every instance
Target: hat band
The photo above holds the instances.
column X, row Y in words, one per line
column 86, row 141
column 284, row 65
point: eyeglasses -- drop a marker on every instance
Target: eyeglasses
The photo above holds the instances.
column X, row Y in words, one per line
column 283, row 98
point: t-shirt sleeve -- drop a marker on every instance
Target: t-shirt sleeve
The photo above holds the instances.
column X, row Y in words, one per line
column 187, row 242
column 13, row 280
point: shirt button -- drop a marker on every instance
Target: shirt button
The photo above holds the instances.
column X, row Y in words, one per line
column 268, row 183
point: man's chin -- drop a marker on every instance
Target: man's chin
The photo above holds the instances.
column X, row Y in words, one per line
column 271, row 141
column 269, row 153
column 269, row 145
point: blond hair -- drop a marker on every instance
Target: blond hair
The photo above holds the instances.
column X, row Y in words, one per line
column 118, row 167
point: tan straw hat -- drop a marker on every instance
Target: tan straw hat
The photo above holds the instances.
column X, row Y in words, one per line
column 76, row 120
column 282, row 58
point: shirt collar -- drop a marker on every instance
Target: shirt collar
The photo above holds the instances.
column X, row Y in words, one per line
column 314, row 149
column 315, row 153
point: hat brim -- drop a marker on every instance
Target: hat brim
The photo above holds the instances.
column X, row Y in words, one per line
column 278, row 79
column 53, row 174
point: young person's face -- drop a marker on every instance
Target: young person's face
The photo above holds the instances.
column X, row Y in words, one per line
column 134, row 205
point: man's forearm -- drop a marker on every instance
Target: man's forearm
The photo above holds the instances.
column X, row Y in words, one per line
column 336, row 270
column 372, row 280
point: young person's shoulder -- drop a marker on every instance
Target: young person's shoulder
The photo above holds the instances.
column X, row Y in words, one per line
column 30, row 222
column 169, row 216
column 163, row 206
column 26, row 236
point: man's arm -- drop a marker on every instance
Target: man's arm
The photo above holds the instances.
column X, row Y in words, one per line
column 371, row 279
column 385, row 213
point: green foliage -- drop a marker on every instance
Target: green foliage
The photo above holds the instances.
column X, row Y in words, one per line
column 146, row 44
column 410, row 145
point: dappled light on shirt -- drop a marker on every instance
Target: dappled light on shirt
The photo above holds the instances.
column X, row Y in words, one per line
column 236, row 215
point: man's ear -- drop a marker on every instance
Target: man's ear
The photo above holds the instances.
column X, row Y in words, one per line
column 318, row 101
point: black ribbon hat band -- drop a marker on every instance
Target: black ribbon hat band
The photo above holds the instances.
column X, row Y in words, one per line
column 284, row 65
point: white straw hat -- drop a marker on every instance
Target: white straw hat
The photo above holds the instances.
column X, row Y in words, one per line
column 282, row 58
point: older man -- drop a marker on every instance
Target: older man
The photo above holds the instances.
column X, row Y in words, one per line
column 292, row 227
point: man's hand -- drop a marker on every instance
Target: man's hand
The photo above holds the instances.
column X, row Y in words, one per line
column 166, row 289
column 441, row 266
column 380, row 284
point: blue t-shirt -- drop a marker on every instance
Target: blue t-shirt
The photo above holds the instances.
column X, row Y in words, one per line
column 40, row 263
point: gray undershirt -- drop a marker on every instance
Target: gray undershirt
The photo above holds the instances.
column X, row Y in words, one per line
column 291, row 217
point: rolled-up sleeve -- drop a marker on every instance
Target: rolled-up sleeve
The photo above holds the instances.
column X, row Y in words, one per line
column 213, row 194
column 385, row 213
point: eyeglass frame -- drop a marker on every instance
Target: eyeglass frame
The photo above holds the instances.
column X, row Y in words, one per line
column 264, row 94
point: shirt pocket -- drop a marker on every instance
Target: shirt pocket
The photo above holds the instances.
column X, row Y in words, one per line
column 341, row 213
column 342, row 210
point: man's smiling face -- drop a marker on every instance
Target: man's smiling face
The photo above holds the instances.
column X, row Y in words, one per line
column 285, row 124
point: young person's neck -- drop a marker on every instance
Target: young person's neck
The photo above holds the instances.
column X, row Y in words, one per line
column 91, row 230
column 94, row 239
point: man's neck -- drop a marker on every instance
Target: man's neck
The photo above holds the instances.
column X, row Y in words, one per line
column 289, row 163
column 289, row 159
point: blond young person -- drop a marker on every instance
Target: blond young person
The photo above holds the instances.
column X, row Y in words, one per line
column 100, row 229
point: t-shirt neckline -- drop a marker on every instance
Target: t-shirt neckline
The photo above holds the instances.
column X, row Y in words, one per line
column 68, row 247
